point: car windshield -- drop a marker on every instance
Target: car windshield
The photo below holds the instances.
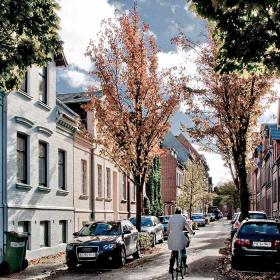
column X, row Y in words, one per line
column 164, row 220
column 260, row 229
column 145, row 222
column 257, row 216
column 101, row 229
column 197, row 217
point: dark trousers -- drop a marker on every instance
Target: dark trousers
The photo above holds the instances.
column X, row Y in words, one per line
column 174, row 255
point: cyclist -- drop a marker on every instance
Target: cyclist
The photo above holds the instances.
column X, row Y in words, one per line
column 177, row 241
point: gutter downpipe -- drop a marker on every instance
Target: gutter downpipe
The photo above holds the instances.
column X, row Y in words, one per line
column 92, row 183
column 4, row 169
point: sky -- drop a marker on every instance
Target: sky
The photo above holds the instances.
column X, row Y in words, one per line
column 81, row 20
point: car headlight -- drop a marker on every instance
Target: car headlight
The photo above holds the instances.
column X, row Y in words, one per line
column 109, row 246
column 69, row 247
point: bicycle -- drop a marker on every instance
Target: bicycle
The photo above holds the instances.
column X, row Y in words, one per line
column 180, row 266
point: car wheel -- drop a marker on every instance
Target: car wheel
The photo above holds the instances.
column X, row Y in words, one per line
column 153, row 240
column 120, row 262
column 71, row 265
column 161, row 238
column 136, row 255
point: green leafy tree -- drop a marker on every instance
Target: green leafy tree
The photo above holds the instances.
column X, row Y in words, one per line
column 153, row 200
column 227, row 194
column 248, row 32
column 28, row 35
column 194, row 188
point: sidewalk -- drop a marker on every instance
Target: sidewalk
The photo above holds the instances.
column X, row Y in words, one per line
column 41, row 268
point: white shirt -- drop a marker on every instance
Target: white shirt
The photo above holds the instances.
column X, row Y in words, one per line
column 176, row 238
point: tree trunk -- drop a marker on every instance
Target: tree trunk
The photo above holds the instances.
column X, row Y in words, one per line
column 139, row 190
column 243, row 186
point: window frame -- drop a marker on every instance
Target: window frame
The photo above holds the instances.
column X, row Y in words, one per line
column 63, row 234
column 25, row 158
column 45, row 158
column 108, row 183
column 28, row 223
column 47, row 232
column 64, row 168
column 84, row 176
column 99, row 181
column 124, row 187
column 43, row 97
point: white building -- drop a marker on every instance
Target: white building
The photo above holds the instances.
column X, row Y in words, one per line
column 40, row 129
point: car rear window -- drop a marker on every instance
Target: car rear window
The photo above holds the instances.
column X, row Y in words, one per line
column 256, row 216
column 260, row 229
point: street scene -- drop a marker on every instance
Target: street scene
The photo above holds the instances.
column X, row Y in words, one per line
column 140, row 139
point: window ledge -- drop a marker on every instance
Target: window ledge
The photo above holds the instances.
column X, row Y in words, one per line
column 25, row 94
column 24, row 121
column 44, row 130
column 99, row 198
column 43, row 105
column 62, row 192
column 123, row 201
column 133, row 202
column 23, row 186
column 83, row 197
column 108, row 199
column 44, row 189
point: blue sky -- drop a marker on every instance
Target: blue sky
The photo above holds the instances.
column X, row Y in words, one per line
column 80, row 22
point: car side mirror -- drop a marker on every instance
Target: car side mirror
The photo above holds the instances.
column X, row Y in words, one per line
column 126, row 231
column 75, row 234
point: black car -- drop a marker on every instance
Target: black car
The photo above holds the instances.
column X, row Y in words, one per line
column 103, row 242
column 152, row 226
column 164, row 221
column 256, row 239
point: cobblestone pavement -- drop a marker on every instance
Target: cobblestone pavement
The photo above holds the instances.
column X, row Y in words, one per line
column 203, row 255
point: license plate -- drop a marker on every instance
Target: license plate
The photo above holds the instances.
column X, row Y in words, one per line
column 261, row 244
column 87, row 255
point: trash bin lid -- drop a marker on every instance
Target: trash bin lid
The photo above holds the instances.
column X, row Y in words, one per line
column 17, row 234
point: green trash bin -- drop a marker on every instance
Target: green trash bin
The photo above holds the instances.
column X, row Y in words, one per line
column 15, row 251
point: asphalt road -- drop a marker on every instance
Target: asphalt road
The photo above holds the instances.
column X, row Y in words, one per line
column 202, row 260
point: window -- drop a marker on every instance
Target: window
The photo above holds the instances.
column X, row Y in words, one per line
column 22, row 158
column 24, row 226
column 44, row 234
column 124, row 187
column 133, row 192
column 108, row 181
column 84, row 176
column 99, row 178
column 61, row 170
column 23, row 86
column 43, row 85
column 63, row 231
column 42, row 164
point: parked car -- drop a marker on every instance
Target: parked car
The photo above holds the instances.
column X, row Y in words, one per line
column 103, row 242
column 199, row 219
column 211, row 217
column 151, row 225
column 256, row 239
column 164, row 221
column 237, row 220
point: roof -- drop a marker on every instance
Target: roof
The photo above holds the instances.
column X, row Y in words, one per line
column 65, row 109
column 78, row 97
column 170, row 141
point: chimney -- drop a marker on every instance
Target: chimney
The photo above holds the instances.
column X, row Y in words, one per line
column 278, row 114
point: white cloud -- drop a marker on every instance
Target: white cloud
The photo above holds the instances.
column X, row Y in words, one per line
column 80, row 22
column 76, row 79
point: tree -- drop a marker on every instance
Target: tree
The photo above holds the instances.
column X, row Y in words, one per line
column 248, row 32
column 28, row 35
column 154, row 204
column 194, row 187
column 225, row 113
column 228, row 194
column 138, row 99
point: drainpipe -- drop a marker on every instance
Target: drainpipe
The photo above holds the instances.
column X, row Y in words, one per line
column 92, row 183
column 4, row 165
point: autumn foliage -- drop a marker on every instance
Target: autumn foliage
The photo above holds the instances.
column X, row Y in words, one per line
column 138, row 100
column 224, row 112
